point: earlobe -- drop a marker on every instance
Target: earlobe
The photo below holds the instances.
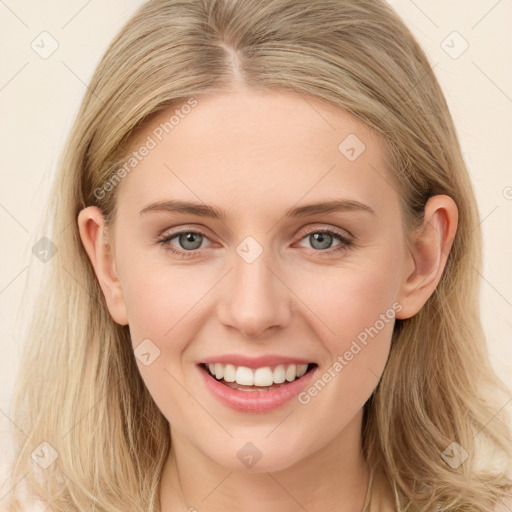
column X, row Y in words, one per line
column 428, row 254
column 91, row 224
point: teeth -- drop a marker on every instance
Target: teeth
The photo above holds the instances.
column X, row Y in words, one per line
column 279, row 374
column 262, row 377
column 291, row 373
column 219, row 371
column 229, row 373
column 244, row 376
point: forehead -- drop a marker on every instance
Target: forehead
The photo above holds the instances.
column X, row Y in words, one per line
column 252, row 147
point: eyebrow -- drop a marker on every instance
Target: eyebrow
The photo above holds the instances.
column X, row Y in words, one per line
column 203, row 210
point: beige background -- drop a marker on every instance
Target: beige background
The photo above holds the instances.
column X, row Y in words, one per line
column 39, row 97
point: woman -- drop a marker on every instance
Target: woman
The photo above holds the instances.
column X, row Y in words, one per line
column 265, row 297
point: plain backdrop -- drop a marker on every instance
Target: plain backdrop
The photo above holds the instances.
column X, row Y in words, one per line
column 468, row 43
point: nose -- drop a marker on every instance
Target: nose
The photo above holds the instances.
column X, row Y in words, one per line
column 254, row 298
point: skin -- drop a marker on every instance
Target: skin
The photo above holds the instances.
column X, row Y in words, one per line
column 255, row 155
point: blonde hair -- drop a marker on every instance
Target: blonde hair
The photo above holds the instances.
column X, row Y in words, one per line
column 79, row 388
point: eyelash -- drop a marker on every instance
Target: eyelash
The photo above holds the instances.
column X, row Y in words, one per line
column 165, row 242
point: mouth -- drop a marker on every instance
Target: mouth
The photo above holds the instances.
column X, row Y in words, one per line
column 266, row 378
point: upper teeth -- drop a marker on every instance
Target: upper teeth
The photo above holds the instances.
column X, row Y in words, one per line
column 265, row 376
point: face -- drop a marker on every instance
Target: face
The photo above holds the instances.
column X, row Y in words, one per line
column 264, row 278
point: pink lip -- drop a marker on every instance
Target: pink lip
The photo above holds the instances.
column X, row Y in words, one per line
column 255, row 401
column 254, row 362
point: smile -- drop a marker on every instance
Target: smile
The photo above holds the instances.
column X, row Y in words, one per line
column 242, row 377
column 256, row 390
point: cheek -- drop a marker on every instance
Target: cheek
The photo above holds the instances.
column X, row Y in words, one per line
column 161, row 301
column 163, row 305
column 168, row 304
column 360, row 301
column 358, row 306
column 353, row 297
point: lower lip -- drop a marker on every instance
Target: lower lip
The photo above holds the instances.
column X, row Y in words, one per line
column 255, row 401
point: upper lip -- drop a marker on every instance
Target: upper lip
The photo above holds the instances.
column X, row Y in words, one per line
column 254, row 362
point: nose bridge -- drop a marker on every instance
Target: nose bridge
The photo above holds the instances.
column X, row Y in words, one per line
column 254, row 299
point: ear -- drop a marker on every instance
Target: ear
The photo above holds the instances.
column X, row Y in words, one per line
column 427, row 254
column 91, row 225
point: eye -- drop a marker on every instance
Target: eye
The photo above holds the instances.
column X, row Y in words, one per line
column 188, row 241
column 321, row 240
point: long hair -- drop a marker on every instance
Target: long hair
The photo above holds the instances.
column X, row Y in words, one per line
column 79, row 389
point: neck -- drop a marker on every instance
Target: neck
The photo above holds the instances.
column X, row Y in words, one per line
column 333, row 478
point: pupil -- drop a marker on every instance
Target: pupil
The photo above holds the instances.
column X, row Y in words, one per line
column 189, row 238
column 321, row 237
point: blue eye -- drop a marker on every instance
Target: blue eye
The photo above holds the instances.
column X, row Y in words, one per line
column 322, row 240
column 190, row 241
